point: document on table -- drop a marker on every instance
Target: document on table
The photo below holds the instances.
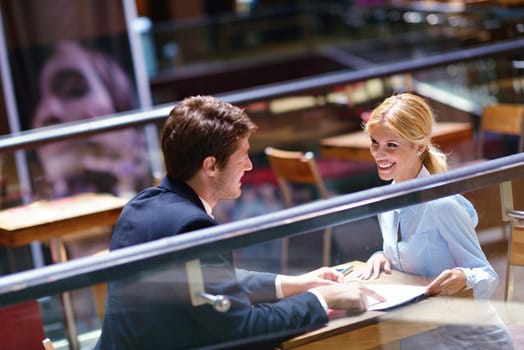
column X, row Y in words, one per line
column 395, row 294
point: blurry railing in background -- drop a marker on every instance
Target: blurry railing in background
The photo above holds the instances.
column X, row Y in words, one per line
column 320, row 85
column 216, row 54
column 299, row 112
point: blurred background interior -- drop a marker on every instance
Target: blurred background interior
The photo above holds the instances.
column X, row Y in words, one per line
column 171, row 49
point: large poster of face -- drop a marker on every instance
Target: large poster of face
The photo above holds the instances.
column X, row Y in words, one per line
column 83, row 71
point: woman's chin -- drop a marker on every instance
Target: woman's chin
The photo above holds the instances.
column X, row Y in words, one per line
column 385, row 176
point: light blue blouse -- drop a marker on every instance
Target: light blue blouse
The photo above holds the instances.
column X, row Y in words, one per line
column 438, row 235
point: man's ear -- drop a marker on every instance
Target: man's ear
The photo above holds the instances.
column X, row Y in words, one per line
column 209, row 165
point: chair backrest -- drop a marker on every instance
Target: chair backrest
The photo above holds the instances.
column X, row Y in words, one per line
column 22, row 326
column 301, row 168
column 502, row 118
column 294, row 167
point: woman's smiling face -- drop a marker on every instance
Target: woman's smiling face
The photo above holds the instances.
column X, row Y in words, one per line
column 397, row 159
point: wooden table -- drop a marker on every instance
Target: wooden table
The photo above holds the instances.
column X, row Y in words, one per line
column 52, row 220
column 355, row 145
column 371, row 328
column 44, row 220
column 430, row 321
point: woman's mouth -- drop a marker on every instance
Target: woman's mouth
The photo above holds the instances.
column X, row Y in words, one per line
column 385, row 166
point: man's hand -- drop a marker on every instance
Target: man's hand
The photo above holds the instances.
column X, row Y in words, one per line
column 352, row 296
column 292, row 285
column 448, row 282
column 375, row 264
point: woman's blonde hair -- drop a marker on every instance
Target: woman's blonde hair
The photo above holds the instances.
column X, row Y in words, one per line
column 411, row 118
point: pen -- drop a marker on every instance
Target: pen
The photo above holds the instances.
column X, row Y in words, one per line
column 345, row 270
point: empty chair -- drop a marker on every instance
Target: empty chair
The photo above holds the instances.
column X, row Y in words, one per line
column 504, row 119
column 507, row 119
column 497, row 120
column 515, row 255
column 300, row 168
column 22, row 325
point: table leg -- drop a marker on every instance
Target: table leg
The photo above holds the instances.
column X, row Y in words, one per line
column 69, row 315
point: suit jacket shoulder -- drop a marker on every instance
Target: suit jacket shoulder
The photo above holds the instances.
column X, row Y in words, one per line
column 157, row 212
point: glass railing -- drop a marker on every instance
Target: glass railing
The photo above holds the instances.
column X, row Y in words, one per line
column 459, row 65
column 298, row 113
column 348, row 215
column 254, row 238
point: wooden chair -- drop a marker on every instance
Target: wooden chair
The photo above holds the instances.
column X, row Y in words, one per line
column 515, row 255
column 22, row 326
column 294, row 167
column 503, row 119
column 508, row 119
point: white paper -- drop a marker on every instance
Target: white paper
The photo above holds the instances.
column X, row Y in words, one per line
column 395, row 294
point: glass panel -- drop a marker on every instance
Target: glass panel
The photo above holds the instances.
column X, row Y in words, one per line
column 154, row 289
column 285, row 41
column 353, row 240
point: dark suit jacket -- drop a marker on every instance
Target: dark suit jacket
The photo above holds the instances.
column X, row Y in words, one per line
column 152, row 309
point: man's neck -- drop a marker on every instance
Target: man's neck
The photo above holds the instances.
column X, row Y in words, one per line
column 203, row 190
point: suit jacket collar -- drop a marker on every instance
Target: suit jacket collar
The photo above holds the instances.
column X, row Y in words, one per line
column 182, row 189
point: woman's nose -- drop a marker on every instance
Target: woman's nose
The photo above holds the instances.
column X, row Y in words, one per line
column 49, row 112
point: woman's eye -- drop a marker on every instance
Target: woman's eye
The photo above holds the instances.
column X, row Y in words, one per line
column 392, row 145
column 69, row 83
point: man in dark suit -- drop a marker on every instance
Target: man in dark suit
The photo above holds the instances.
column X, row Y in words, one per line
column 205, row 143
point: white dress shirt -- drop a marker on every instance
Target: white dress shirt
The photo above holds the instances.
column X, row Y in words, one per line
column 278, row 280
column 438, row 235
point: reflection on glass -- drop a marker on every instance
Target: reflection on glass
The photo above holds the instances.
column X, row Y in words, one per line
column 452, row 337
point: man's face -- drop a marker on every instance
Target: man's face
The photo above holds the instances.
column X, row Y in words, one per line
column 228, row 182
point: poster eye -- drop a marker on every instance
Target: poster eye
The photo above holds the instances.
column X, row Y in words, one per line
column 69, row 83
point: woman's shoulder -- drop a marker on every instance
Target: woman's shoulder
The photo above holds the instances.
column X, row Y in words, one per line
column 453, row 205
column 452, row 202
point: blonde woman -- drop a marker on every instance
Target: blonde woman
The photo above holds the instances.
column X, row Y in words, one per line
column 436, row 239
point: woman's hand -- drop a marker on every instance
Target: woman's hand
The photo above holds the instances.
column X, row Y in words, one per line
column 448, row 282
column 376, row 263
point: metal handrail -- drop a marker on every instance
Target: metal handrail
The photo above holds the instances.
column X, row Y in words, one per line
column 305, row 218
column 317, row 215
column 35, row 137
